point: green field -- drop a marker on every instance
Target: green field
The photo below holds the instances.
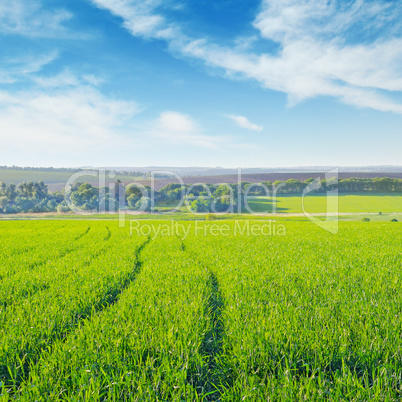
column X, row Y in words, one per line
column 348, row 203
column 204, row 312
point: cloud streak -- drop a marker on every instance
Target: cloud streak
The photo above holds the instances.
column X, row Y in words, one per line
column 30, row 19
column 178, row 128
column 316, row 56
column 33, row 20
column 244, row 122
column 14, row 69
column 140, row 17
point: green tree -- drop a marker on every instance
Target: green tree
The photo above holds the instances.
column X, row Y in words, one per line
column 3, row 202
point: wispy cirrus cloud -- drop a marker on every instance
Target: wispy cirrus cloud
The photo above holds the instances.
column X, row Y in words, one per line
column 31, row 19
column 64, row 79
column 14, row 69
column 323, row 47
column 141, row 17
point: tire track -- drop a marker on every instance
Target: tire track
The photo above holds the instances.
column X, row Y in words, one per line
column 109, row 234
column 44, row 261
column 83, row 234
column 215, row 375
column 26, row 249
column 78, row 318
column 44, row 285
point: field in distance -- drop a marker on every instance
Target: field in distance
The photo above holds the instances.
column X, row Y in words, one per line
column 89, row 313
column 317, row 203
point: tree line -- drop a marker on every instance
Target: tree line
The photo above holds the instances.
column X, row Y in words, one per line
column 34, row 197
column 28, row 197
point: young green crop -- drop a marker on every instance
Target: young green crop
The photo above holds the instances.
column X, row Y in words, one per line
column 24, row 249
column 309, row 316
column 24, row 278
column 211, row 316
column 146, row 347
column 33, row 323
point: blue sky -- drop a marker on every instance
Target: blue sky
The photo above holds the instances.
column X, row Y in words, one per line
column 228, row 83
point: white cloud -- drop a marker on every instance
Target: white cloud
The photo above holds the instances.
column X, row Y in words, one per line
column 179, row 128
column 140, row 17
column 244, row 122
column 175, row 128
column 28, row 18
column 65, row 119
column 17, row 68
column 284, row 20
column 177, row 122
column 77, row 120
column 63, row 79
column 314, row 58
column 92, row 79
